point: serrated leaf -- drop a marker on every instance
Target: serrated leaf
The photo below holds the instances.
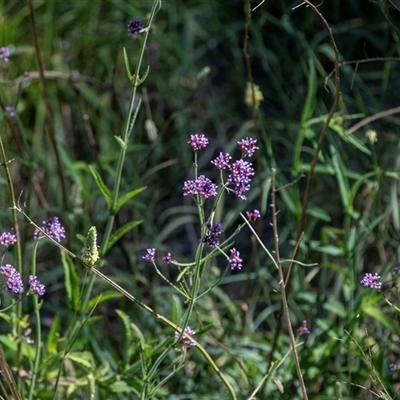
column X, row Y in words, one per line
column 121, row 232
column 102, row 186
column 71, row 281
column 128, row 196
column 102, row 297
column 83, row 358
column 52, row 337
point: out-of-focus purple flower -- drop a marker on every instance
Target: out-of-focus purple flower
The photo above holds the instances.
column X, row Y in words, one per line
column 253, row 215
column 201, row 186
column 150, row 254
column 168, row 258
column 10, row 111
column 303, row 329
column 135, row 27
column 7, row 239
column 396, row 270
column 240, row 176
column 211, row 238
column 392, row 367
column 248, row 146
column 35, row 286
column 234, row 260
column 5, row 53
column 371, row 281
column 11, row 278
column 27, row 74
column 51, row 227
column 187, row 341
column 198, row 142
column 222, row 161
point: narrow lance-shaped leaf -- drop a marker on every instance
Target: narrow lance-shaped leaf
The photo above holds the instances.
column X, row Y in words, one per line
column 102, row 186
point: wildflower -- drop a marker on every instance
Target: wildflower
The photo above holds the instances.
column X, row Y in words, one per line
column 248, row 146
column 371, row 281
column 90, row 253
column 234, row 260
column 4, row 53
column 7, row 239
column 201, row 186
column 187, row 341
column 27, row 74
column 392, row 367
column 253, row 215
column 35, row 286
column 240, row 176
column 150, row 254
column 396, row 270
column 212, row 237
column 167, row 259
column 222, row 161
column 135, row 27
column 10, row 111
column 198, row 142
column 53, row 228
column 303, row 329
column 372, row 136
column 248, row 95
column 11, row 278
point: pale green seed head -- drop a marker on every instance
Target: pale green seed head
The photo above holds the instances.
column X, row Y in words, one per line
column 90, row 253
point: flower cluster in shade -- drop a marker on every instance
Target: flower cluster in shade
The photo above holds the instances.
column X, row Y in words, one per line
column 51, row 227
column 135, row 27
column 10, row 111
column 186, row 341
column 5, row 53
column 211, row 237
column 198, row 142
column 201, row 186
column 7, row 239
column 11, row 280
column 168, row 258
column 371, row 281
column 392, row 367
column 234, row 260
column 149, row 256
column 253, row 216
column 303, row 329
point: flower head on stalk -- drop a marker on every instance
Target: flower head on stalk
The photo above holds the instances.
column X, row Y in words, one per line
column 234, row 260
column 150, row 254
column 186, row 341
column 10, row 278
column 168, row 258
column 240, row 177
column 35, row 286
column 211, row 238
column 7, row 239
column 253, row 216
column 198, row 142
column 303, row 328
column 222, row 161
column 248, row 146
column 371, row 281
column 135, row 27
column 53, row 228
column 5, row 53
column 201, row 186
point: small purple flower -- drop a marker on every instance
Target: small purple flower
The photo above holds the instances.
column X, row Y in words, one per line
column 198, row 142
column 222, row 161
column 5, row 53
column 371, row 281
column 248, row 146
column 51, row 227
column 188, row 342
column 234, row 260
column 35, row 286
column 12, row 279
column 240, row 176
column 392, row 367
column 303, row 329
column 396, row 270
column 211, row 238
column 150, row 254
column 10, row 111
column 27, row 74
column 168, row 258
column 253, row 215
column 135, row 27
column 201, row 186
column 7, row 239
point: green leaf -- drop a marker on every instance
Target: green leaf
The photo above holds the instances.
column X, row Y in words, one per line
column 120, row 142
column 319, row 213
column 127, row 66
column 83, row 358
column 176, row 310
column 121, row 232
column 377, row 314
column 127, row 325
column 102, row 297
column 101, row 185
column 71, row 281
column 52, row 337
column 343, row 182
column 128, row 196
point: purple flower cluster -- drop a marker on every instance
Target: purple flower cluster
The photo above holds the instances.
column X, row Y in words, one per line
column 10, row 111
column 253, row 215
column 211, row 238
column 35, row 286
column 303, row 329
column 5, row 53
column 234, row 260
column 11, row 278
column 53, row 228
column 201, row 186
column 222, row 161
column 150, row 254
column 240, row 177
column 198, row 142
column 371, row 281
column 392, row 367
column 187, row 341
column 7, row 239
column 135, row 27
column 168, row 258
column 248, row 146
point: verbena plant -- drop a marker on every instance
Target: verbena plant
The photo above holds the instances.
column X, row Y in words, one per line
column 263, row 289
